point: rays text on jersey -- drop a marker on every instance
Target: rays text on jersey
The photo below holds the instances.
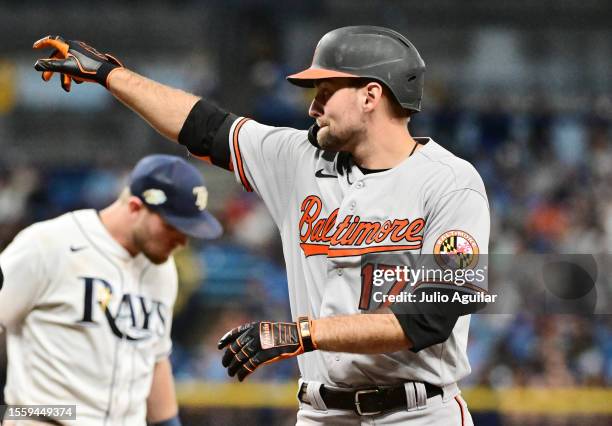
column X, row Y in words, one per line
column 352, row 236
column 135, row 317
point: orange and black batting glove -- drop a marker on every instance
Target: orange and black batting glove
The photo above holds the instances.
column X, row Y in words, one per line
column 264, row 342
column 75, row 61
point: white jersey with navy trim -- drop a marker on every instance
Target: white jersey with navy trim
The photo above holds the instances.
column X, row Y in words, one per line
column 331, row 215
column 85, row 321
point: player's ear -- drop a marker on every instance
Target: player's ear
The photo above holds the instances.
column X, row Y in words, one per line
column 135, row 204
column 373, row 94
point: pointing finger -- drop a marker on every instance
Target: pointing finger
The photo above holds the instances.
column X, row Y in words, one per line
column 50, row 64
column 52, row 41
column 46, row 75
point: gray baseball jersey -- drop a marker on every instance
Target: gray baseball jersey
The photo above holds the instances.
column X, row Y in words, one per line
column 330, row 215
column 85, row 321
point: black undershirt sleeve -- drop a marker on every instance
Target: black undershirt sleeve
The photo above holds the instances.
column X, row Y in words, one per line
column 205, row 133
column 429, row 323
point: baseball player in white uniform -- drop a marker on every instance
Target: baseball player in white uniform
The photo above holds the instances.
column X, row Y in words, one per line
column 354, row 196
column 88, row 296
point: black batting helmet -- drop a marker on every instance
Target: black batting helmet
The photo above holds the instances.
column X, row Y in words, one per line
column 375, row 53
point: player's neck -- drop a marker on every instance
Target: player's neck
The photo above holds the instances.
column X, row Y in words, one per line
column 386, row 146
column 114, row 220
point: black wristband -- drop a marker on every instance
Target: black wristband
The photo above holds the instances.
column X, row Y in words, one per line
column 102, row 74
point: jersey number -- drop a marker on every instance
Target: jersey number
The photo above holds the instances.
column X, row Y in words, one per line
column 375, row 271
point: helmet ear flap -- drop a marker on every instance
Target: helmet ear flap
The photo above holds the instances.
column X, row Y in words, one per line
column 312, row 136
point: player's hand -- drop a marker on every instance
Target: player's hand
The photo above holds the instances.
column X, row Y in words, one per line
column 264, row 342
column 75, row 60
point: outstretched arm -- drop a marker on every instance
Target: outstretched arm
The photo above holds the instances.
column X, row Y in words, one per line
column 163, row 107
column 200, row 126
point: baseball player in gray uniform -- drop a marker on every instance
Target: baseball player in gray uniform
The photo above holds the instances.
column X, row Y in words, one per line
column 88, row 296
column 355, row 186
